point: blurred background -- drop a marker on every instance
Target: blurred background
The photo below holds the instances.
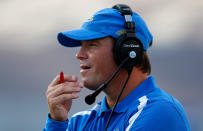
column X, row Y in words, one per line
column 30, row 56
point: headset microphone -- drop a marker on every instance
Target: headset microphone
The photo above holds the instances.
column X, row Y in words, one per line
column 90, row 99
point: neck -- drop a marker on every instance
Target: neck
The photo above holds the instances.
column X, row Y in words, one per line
column 116, row 85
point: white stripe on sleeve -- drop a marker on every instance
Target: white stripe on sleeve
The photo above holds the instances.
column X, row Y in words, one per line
column 143, row 102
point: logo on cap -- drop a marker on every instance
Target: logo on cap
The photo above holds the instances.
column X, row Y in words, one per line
column 90, row 19
column 120, row 32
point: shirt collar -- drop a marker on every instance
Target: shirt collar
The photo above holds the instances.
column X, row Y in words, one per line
column 144, row 88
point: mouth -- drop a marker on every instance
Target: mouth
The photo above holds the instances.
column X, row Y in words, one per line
column 84, row 67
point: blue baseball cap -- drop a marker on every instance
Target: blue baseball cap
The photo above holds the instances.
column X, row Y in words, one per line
column 106, row 22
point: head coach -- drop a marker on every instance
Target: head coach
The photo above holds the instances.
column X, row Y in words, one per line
column 113, row 59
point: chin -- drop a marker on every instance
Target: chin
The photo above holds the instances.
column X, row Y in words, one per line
column 89, row 85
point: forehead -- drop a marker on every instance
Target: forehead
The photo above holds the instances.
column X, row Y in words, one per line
column 107, row 39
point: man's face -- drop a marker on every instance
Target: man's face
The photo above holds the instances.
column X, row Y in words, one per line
column 96, row 61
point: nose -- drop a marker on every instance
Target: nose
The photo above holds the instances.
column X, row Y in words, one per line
column 82, row 54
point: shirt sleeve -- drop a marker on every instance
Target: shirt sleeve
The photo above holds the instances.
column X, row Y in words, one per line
column 161, row 116
column 52, row 125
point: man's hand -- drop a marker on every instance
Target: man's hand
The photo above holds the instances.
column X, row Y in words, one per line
column 59, row 96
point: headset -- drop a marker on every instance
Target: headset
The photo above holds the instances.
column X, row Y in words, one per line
column 127, row 44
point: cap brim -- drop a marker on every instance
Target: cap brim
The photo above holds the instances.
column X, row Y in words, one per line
column 72, row 38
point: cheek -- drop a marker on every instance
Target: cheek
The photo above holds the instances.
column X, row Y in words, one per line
column 106, row 64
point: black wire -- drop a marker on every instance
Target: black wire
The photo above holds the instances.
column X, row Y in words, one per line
column 109, row 119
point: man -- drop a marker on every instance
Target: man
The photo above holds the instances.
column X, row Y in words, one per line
column 142, row 106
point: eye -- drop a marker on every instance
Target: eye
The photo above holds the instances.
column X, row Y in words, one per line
column 88, row 43
column 92, row 44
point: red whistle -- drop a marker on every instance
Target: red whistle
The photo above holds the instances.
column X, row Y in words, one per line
column 61, row 77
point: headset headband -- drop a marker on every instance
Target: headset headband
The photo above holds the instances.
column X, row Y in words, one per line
column 126, row 11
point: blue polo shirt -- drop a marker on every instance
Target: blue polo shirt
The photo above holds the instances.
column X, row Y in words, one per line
column 146, row 108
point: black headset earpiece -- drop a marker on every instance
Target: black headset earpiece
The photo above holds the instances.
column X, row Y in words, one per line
column 127, row 44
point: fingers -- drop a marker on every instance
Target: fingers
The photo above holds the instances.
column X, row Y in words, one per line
column 60, row 95
column 70, row 78
column 63, row 98
column 64, row 88
column 67, row 78
column 69, row 87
